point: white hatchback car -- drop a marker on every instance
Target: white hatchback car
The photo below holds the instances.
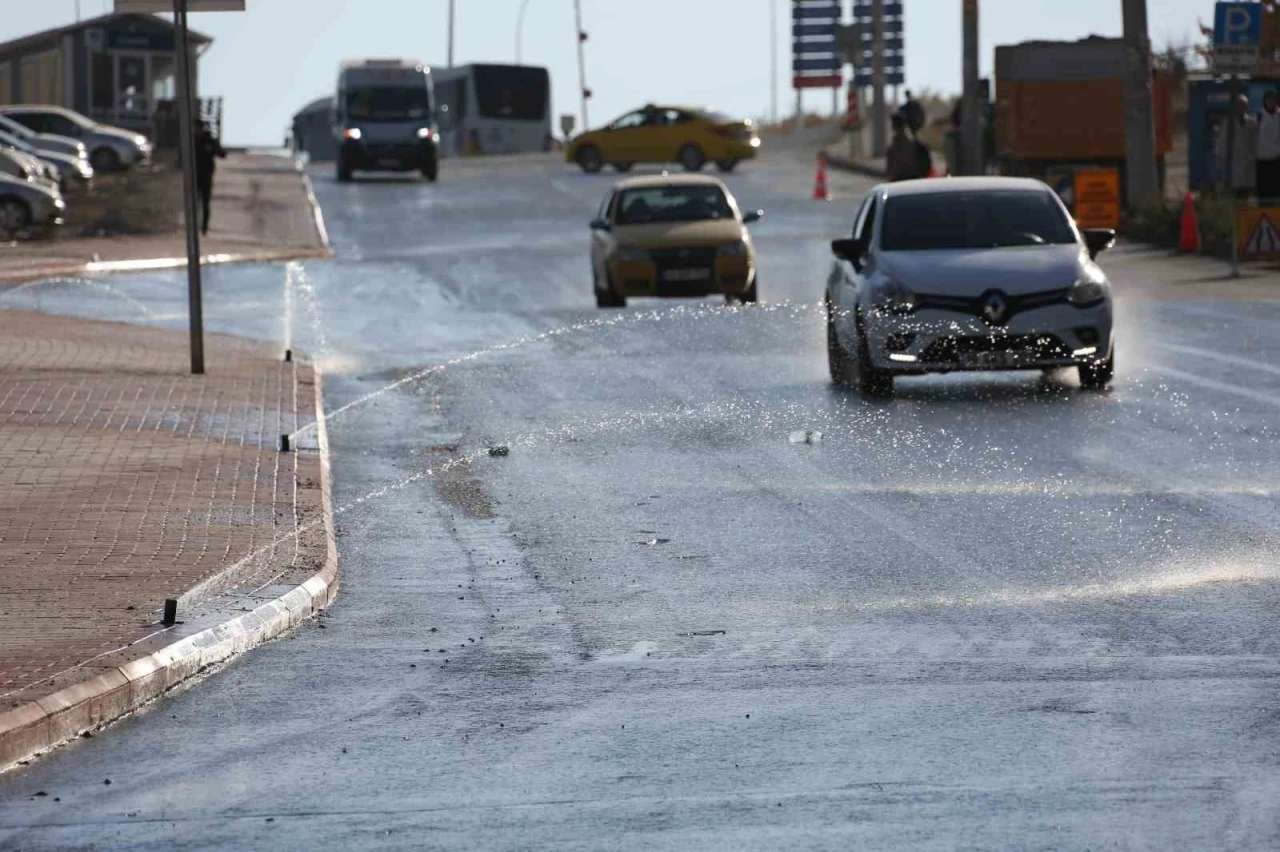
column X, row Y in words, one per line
column 985, row 273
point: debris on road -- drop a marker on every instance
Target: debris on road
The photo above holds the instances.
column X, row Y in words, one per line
column 801, row 436
column 500, row 451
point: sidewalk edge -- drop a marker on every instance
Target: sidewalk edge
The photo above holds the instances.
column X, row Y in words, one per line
column 844, row 164
column 315, row 207
column 42, row 724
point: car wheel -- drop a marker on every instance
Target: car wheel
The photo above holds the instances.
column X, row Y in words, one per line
column 589, row 159
column 104, row 160
column 344, row 170
column 838, row 361
column 692, row 158
column 867, row 379
column 750, row 297
column 623, row 167
column 15, row 215
column 726, row 165
column 606, row 298
column 431, row 168
column 1098, row 376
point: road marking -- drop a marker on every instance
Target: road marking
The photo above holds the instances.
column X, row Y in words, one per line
column 1214, row 384
column 1219, row 356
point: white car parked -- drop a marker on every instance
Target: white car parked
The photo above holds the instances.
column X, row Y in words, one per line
column 985, row 273
column 26, row 204
column 110, row 148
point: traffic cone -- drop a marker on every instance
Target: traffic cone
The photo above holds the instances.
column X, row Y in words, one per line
column 1189, row 239
column 820, row 191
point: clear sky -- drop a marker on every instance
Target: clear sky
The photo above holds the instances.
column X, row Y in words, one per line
column 279, row 55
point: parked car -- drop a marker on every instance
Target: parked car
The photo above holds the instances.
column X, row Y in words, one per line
column 44, row 141
column 110, row 148
column 71, row 169
column 666, row 134
column 21, row 166
column 26, row 204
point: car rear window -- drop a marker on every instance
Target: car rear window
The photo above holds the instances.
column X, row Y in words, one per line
column 645, row 205
column 961, row 220
column 719, row 117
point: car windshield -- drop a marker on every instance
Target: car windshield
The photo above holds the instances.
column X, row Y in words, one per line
column 645, row 205
column 14, row 142
column 388, row 103
column 718, row 117
column 19, row 130
column 968, row 220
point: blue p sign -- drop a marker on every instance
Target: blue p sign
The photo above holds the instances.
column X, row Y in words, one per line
column 1237, row 24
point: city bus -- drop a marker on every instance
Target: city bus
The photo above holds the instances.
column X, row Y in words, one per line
column 493, row 109
column 384, row 118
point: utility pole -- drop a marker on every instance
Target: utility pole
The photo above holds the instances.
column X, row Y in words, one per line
column 186, row 121
column 877, row 80
column 972, row 154
column 77, row 11
column 1139, row 131
column 773, row 61
column 451, row 14
column 582, row 63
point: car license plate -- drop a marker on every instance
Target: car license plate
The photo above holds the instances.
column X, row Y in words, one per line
column 388, row 162
column 686, row 275
column 992, row 360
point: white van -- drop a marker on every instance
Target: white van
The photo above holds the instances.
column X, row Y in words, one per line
column 384, row 118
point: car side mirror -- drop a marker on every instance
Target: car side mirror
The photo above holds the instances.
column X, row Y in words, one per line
column 752, row 216
column 847, row 249
column 1098, row 240
column 599, row 225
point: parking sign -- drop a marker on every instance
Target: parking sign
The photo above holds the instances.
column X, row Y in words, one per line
column 1237, row 33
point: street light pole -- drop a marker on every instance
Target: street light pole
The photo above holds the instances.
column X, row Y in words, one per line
column 972, row 154
column 524, row 4
column 1141, row 179
column 878, row 128
column 773, row 61
column 451, row 14
column 582, row 62
column 187, row 143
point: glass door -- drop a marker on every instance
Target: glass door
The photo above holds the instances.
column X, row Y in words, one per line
column 133, row 85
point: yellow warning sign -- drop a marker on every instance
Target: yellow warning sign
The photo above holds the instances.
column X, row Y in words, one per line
column 1259, row 234
column 1097, row 198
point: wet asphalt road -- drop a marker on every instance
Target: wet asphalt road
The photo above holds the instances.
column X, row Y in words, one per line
column 995, row 612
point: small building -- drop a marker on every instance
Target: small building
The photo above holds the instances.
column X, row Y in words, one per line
column 313, row 130
column 117, row 69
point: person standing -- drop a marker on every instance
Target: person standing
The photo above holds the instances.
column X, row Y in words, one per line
column 1244, row 156
column 1268, row 172
column 208, row 151
column 913, row 113
column 901, row 160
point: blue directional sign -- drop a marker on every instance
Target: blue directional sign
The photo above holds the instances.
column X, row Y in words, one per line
column 893, row 46
column 815, row 55
column 1237, row 34
column 1237, row 24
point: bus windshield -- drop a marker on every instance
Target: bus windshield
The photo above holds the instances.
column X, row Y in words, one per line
column 512, row 91
column 388, row 103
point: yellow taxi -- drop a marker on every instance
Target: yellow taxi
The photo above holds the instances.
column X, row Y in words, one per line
column 672, row 236
column 665, row 134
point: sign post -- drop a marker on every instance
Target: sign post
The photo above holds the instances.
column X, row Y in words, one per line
column 1237, row 36
column 187, row 145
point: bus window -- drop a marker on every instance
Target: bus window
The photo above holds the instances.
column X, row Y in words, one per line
column 512, row 92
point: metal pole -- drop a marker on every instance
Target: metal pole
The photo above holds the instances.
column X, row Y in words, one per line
column 451, row 15
column 1233, row 95
column 1141, row 179
column 524, row 4
column 878, row 120
column 773, row 61
column 971, row 147
column 582, row 63
column 187, row 145
column 77, row 11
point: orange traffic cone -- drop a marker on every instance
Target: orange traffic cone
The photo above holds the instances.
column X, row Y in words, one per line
column 1189, row 238
column 820, row 191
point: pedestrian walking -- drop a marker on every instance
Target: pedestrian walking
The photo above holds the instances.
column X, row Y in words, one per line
column 208, row 150
column 913, row 113
column 1268, row 171
column 902, row 161
column 1244, row 156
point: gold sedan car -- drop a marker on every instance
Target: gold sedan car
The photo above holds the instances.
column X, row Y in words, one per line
column 672, row 236
column 666, row 134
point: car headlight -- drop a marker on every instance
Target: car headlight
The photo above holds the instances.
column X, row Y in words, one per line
column 630, row 255
column 352, row 133
column 1089, row 290
column 896, row 297
column 737, row 248
column 427, row 133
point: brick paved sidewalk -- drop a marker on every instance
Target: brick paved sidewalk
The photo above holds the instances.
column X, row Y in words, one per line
column 125, row 481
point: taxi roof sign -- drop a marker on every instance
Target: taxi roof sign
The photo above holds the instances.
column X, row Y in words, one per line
column 153, row 6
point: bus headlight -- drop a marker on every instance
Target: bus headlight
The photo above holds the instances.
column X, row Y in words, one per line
column 352, row 133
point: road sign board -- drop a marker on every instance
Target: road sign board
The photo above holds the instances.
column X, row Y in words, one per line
column 567, row 123
column 815, row 54
column 1237, row 24
column 893, row 46
column 1097, row 198
column 1259, row 235
column 152, row 6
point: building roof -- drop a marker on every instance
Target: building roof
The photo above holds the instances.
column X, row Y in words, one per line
column 197, row 39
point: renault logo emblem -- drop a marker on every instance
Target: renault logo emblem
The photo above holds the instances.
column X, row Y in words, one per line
column 995, row 308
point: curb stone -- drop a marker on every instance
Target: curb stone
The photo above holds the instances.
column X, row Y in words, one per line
column 42, row 724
